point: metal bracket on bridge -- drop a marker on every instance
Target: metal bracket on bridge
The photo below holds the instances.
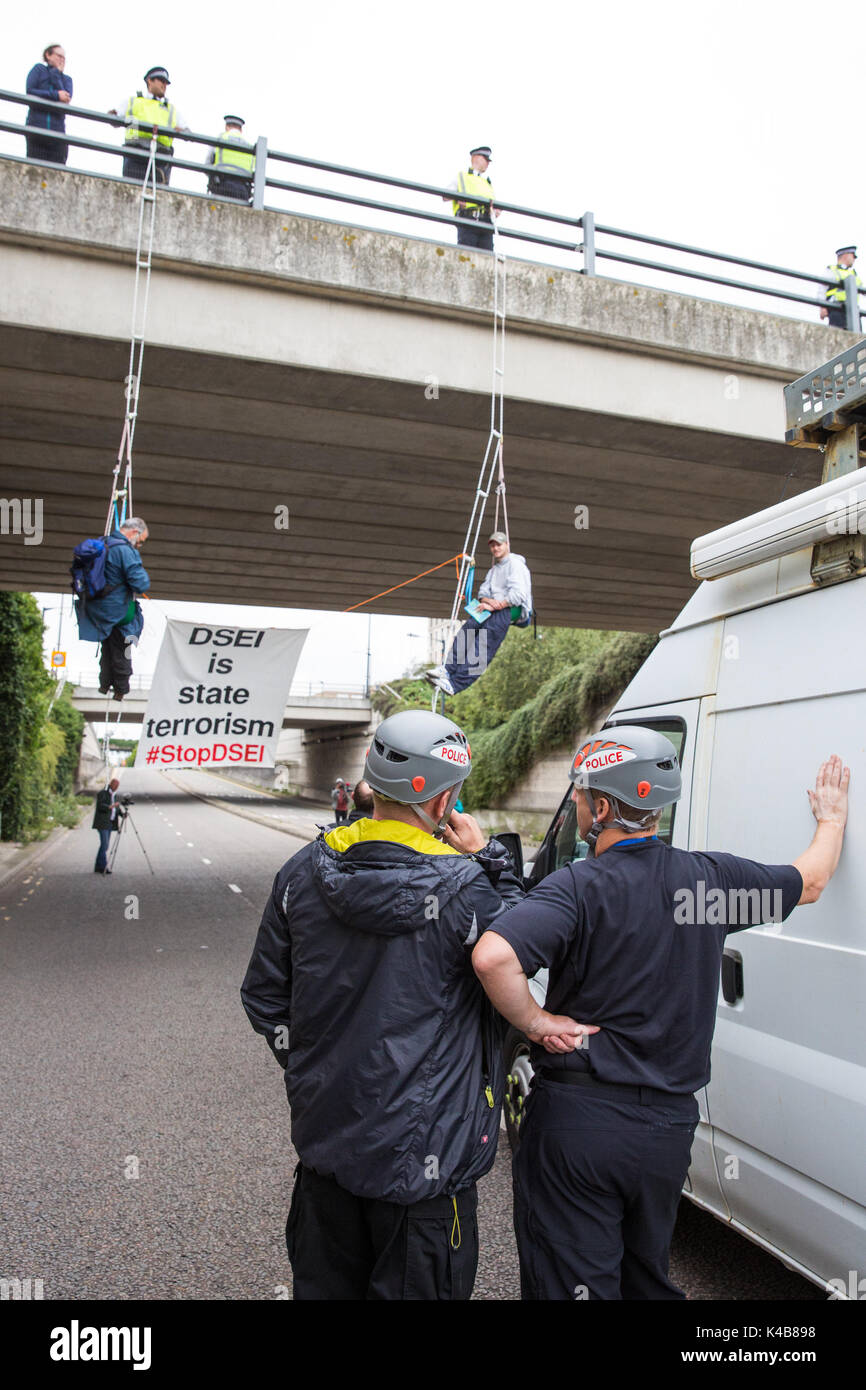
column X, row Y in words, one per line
column 826, row 410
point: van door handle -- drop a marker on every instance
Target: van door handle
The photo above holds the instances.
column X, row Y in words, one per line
column 732, row 976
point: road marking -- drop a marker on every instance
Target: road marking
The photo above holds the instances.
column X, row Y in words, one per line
column 205, row 861
column 178, row 833
column 234, row 888
column 190, row 845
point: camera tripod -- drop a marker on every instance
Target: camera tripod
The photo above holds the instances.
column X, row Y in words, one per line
column 112, row 853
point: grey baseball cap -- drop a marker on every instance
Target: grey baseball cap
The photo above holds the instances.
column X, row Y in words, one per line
column 498, row 536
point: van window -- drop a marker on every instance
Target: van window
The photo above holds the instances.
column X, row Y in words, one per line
column 675, row 730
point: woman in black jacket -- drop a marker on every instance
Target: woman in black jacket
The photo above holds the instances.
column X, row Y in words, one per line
column 49, row 81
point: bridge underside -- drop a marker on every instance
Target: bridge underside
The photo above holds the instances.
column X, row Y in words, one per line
column 378, row 481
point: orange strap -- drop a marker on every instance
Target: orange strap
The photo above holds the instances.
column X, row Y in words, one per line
column 454, row 558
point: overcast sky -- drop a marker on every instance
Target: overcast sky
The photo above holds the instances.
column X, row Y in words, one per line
column 732, row 127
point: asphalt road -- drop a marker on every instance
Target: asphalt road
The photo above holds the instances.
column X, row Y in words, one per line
column 144, row 1149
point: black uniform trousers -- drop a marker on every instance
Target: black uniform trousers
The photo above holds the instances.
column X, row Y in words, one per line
column 115, row 667
column 597, row 1183
column 346, row 1247
column 135, row 165
column 480, row 236
column 226, row 186
column 836, row 316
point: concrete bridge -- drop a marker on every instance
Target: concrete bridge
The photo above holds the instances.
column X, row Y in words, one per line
column 302, row 711
column 343, row 374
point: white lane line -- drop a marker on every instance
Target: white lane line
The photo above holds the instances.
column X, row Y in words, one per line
column 234, row 888
column 205, row 861
column 190, row 845
column 179, row 834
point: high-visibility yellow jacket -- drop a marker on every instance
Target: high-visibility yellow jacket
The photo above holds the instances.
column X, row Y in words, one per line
column 236, row 162
column 468, row 182
column 841, row 272
column 145, row 113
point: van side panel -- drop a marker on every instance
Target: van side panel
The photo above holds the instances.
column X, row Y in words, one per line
column 788, row 1095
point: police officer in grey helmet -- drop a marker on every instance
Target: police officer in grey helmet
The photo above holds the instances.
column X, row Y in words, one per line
column 633, row 938
column 361, row 981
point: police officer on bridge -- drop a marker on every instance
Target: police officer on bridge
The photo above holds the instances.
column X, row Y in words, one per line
column 606, row 1139
column 143, row 113
column 233, row 168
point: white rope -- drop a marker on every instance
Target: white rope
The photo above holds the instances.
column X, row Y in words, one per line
column 120, row 504
column 492, row 461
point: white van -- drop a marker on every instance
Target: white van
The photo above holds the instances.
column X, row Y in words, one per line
column 761, row 677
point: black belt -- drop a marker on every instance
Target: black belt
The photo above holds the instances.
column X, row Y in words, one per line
column 636, row 1095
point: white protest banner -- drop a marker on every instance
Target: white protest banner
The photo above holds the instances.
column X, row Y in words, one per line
column 218, row 695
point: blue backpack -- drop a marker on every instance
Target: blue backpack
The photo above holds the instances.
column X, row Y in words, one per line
column 88, row 567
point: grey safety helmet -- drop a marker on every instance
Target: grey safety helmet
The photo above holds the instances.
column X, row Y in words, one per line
column 414, row 756
column 632, row 764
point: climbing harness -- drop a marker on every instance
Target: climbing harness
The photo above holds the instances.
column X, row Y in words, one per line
column 120, row 505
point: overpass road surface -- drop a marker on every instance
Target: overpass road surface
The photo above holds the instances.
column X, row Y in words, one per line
column 145, row 1152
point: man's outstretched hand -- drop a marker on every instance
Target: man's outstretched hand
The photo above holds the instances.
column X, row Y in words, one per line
column 829, row 800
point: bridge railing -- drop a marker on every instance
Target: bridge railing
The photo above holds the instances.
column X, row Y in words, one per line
column 580, row 239
column 300, row 690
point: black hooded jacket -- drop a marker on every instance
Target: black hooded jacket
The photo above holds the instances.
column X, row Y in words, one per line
column 362, row 983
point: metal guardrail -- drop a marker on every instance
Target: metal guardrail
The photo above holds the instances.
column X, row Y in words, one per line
column 585, row 224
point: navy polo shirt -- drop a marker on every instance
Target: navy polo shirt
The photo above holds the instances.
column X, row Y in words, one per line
column 633, row 941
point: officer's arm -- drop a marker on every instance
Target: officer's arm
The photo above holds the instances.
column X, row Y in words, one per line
column 506, row 986
column 829, row 803
column 267, row 988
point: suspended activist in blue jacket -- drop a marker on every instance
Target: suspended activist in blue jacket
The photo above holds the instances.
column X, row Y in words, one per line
column 114, row 618
column 48, row 81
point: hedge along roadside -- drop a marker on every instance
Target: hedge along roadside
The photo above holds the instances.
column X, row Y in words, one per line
column 38, row 753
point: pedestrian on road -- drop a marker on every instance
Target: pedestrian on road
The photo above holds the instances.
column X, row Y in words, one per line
column 504, row 598
column 142, row 113
column 362, row 984
column 233, row 170
column 835, row 295
column 115, row 619
column 107, row 816
column 340, row 800
column 633, row 939
column 48, row 80
column 475, row 181
column 362, row 801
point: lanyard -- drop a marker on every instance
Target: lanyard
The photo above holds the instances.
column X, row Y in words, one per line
column 636, row 840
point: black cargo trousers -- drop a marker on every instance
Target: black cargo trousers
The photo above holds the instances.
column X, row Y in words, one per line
column 597, row 1182
column 346, row 1247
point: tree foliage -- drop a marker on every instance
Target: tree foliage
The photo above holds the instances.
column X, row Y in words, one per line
column 534, row 698
column 38, row 751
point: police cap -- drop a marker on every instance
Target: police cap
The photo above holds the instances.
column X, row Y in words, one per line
column 482, row 149
column 234, row 120
column 843, row 250
column 158, row 72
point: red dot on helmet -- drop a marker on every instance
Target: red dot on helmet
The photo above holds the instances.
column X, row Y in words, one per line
column 643, row 789
column 418, row 783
